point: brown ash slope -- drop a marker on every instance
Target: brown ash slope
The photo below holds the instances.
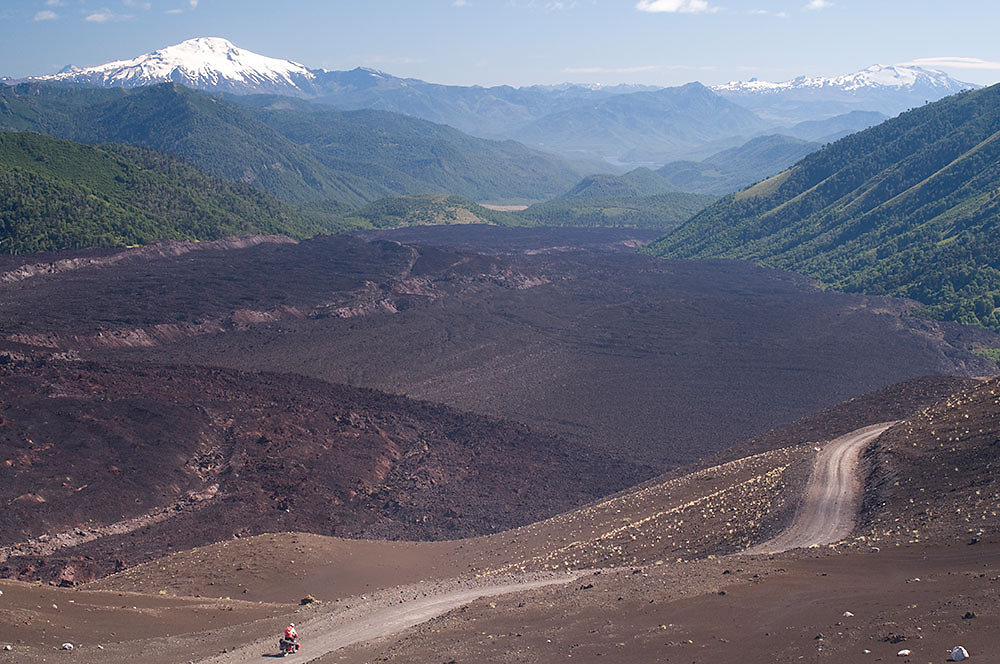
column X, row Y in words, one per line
column 935, row 476
column 668, row 603
column 106, row 463
column 662, row 601
column 661, row 362
column 716, row 507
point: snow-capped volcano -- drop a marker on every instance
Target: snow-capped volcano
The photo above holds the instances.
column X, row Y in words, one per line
column 207, row 63
column 871, row 78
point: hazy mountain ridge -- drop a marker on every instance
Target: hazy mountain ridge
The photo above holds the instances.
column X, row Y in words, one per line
column 647, row 126
column 733, row 169
column 304, row 155
column 832, row 129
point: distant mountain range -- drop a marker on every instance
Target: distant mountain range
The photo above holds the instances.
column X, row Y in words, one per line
column 908, row 208
column 631, row 124
column 883, row 88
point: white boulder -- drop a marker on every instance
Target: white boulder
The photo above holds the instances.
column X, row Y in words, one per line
column 959, row 654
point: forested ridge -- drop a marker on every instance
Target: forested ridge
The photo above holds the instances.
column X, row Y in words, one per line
column 908, row 208
column 57, row 194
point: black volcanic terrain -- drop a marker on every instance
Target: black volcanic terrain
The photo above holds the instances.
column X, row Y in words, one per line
column 126, row 462
column 169, row 396
column 658, row 362
column 210, row 394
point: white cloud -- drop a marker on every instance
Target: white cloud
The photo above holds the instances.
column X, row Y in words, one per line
column 138, row 4
column 460, row 3
column 193, row 3
column 46, row 15
column 819, row 4
column 174, row 11
column 955, row 62
column 54, row 3
column 676, row 6
column 105, row 15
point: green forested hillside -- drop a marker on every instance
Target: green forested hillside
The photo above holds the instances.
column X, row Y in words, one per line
column 664, row 211
column 57, row 194
column 909, row 208
column 429, row 209
column 637, row 183
column 640, row 198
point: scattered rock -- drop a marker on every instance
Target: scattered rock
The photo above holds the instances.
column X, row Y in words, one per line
column 875, row 549
column 969, row 615
column 958, row 654
column 904, row 653
column 308, row 599
column 8, row 647
column 66, row 646
column 848, row 614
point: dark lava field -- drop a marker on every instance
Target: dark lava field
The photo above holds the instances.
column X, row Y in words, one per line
column 655, row 361
column 166, row 397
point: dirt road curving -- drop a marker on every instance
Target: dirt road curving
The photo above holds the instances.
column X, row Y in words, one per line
column 376, row 618
column 827, row 515
column 831, row 501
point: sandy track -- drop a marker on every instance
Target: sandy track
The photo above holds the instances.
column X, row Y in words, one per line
column 831, row 501
column 332, row 631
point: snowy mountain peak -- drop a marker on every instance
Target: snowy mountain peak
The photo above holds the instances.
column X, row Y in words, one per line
column 901, row 77
column 207, row 63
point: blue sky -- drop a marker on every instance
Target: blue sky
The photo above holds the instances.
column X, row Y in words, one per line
column 523, row 42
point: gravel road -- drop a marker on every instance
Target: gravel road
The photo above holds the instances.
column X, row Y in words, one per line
column 831, row 502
